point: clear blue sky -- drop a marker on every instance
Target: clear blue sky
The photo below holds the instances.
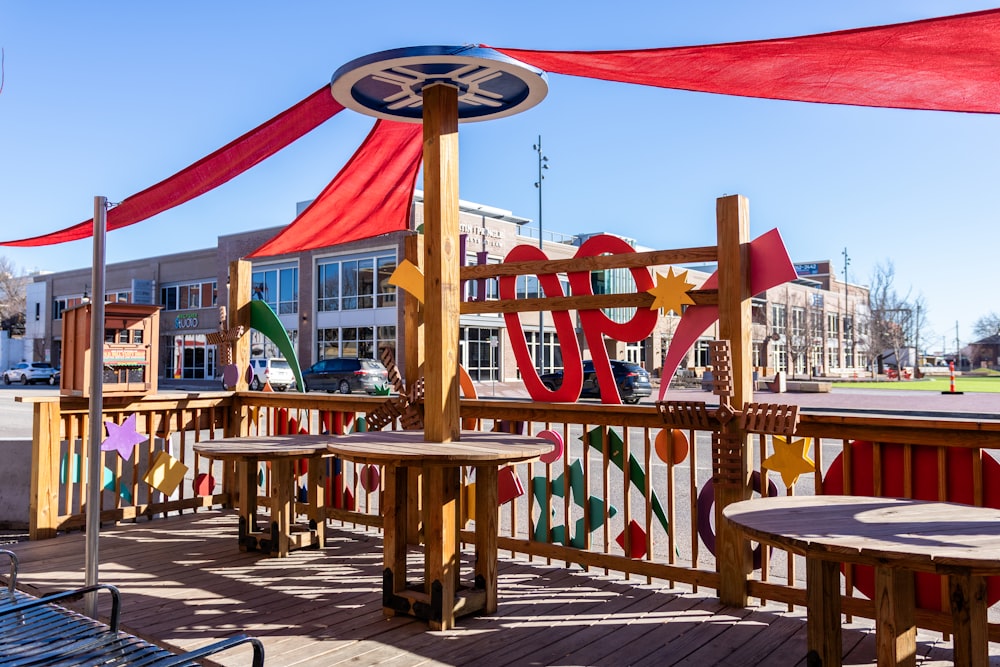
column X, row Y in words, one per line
column 108, row 98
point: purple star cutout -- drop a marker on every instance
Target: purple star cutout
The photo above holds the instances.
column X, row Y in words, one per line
column 122, row 438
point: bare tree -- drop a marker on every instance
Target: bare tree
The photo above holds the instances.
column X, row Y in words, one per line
column 893, row 322
column 987, row 325
column 12, row 297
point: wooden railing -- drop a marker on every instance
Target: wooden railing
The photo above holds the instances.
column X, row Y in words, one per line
column 613, row 500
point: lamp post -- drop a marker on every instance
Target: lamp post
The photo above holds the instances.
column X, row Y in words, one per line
column 542, row 164
column 847, row 262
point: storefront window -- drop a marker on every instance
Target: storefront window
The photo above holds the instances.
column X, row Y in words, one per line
column 360, row 342
column 189, row 356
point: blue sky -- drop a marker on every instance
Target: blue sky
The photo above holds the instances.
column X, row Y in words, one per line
column 108, row 98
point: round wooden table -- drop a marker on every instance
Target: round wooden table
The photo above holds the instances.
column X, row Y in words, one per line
column 441, row 597
column 896, row 537
column 282, row 451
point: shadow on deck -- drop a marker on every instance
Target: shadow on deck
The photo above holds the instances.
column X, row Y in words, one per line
column 184, row 583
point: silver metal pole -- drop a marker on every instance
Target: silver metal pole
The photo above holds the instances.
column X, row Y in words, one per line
column 541, row 313
column 95, row 456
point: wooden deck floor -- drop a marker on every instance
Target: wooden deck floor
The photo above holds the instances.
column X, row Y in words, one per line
column 185, row 583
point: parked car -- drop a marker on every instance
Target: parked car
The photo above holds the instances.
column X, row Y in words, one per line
column 29, row 372
column 275, row 371
column 632, row 380
column 346, row 375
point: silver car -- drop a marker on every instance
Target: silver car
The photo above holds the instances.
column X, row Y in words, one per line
column 30, row 372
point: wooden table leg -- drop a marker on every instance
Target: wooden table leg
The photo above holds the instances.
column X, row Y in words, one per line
column 395, row 500
column 968, row 614
column 317, row 499
column 246, row 472
column 441, row 542
column 487, row 526
column 895, row 628
column 823, row 602
column 282, row 505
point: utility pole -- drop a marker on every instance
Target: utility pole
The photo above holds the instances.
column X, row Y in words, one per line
column 843, row 325
column 542, row 164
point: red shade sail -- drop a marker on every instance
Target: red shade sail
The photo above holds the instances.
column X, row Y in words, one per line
column 209, row 172
column 370, row 196
column 942, row 64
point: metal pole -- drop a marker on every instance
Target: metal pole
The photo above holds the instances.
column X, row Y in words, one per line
column 541, row 313
column 95, row 456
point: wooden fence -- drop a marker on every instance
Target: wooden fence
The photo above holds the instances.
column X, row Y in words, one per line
column 615, row 499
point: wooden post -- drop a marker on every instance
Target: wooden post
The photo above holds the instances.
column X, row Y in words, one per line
column 43, row 503
column 239, row 315
column 733, row 554
column 412, row 315
column 895, row 629
column 823, row 631
column 441, row 263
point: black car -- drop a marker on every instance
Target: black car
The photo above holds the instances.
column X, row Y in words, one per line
column 345, row 375
column 632, row 380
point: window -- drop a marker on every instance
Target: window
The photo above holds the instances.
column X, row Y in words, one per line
column 328, row 286
column 779, row 318
column 386, row 294
column 187, row 296
column 355, row 283
column 352, row 342
column 278, row 287
column 798, row 321
column 832, row 324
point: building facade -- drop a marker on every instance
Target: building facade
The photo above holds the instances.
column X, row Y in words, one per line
column 338, row 301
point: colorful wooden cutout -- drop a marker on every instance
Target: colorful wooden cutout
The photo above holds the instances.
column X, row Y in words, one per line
column 770, row 266
column 370, row 478
column 509, row 485
column 671, row 445
column 637, row 539
column 556, row 439
column 671, row 292
column 122, row 439
column 165, row 473
column 230, row 375
column 706, row 514
column 790, row 459
column 203, row 485
column 637, row 475
column 410, row 278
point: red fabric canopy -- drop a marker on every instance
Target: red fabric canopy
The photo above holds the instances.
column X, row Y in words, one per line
column 370, row 196
column 941, row 64
column 209, row 172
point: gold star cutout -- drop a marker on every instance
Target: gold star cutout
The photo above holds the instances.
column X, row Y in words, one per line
column 791, row 459
column 670, row 292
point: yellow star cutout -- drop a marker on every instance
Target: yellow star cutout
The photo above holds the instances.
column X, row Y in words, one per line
column 670, row 292
column 791, row 459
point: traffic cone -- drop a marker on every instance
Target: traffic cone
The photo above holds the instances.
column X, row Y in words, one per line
column 267, row 387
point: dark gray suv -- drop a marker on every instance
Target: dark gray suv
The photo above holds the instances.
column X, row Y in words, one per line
column 345, row 375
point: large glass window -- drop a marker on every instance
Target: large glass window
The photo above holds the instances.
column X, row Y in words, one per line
column 278, row 287
column 480, row 352
column 352, row 342
column 187, row 296
column 328, row 287
column 355, row 283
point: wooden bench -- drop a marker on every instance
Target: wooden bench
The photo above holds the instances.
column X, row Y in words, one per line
column 38, row 631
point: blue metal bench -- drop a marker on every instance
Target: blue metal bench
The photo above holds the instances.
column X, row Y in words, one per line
column 38, row 631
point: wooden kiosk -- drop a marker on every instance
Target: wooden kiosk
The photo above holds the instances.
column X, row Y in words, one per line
column 131, row 349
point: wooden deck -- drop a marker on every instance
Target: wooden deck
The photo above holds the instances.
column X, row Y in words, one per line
column 185, row 583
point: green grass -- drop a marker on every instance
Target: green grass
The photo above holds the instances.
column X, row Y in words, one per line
column 936, row 383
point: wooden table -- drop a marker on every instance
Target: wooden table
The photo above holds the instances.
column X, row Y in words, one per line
column 283, row 535
column 896, row 537
column 441, row 597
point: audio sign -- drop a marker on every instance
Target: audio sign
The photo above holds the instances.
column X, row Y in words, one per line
column 186, row 321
